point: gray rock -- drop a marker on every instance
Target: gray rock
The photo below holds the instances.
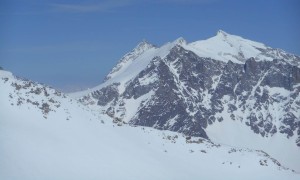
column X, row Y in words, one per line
column 190, row 92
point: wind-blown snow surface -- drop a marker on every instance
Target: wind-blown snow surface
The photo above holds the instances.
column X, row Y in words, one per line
column 227, row 47
column 65, row 140
column 278, row 146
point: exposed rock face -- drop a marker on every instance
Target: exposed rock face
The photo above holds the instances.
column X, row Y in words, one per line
column 185, row 92
column 33, row 95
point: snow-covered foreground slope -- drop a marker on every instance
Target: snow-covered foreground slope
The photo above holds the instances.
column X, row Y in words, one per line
column 277, row 146
column 68, row 141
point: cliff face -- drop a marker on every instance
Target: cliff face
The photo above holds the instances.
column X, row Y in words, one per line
column 186, row 93
column 227, row 89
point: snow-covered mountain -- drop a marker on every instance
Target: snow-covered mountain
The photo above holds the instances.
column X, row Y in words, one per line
column 227, row 89
column 44, row 134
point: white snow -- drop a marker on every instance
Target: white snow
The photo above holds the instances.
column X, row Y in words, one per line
column 172, row 121
column 236, row 133
column 129, row 58
column 5, row 74
column 133, row 68
column 33, row 147
column 226, row 47
column 132, row 105
column 148, row 79
column 223, row 47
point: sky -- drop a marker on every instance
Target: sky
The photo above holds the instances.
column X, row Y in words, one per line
column 72, row 44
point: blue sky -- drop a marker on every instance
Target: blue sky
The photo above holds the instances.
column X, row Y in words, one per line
column 72, row 44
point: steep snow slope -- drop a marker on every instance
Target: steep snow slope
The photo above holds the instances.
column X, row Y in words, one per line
column 225, row 47
column 68, row 141
column 235, row 132
column 129, row 58
column 132, row 64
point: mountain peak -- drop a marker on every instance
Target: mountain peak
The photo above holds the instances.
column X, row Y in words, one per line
column 180, row 41
column 128, row 58
column 225, row 47
column 221, row 32
column 144, row 45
